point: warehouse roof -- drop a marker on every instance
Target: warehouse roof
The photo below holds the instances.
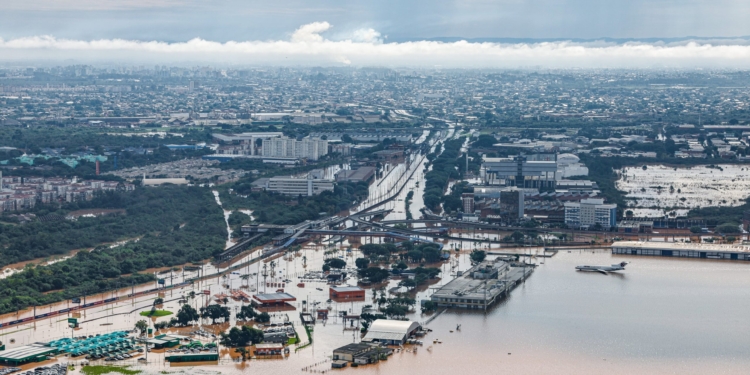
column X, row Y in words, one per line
column 682, row 246
column 342, row 289
column 26, row 351
column 384, row 329
column 274, row 297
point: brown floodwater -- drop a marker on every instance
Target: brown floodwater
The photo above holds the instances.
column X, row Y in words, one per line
column 661, row 316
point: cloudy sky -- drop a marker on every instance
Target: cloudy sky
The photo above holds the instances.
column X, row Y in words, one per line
column 385, row 32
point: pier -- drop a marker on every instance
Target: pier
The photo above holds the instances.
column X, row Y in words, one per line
column 482, row 285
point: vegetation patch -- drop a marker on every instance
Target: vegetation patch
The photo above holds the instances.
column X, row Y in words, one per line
column 100, row 370
column 156, row 215
column 446, row 167
column 309, row 339
column 156, row 313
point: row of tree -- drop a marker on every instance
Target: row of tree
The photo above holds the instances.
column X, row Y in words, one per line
column 174, row 225
column 282, row 209
column 444, row 169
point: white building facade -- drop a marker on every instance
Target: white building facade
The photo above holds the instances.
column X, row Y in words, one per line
column 299, row 186
column 590, row 212
column 283, row 147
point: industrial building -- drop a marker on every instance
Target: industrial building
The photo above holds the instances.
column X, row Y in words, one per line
column 569, row 165
column 480, row 286
column 192, row 357
column 358, row 175
column 346, row 293
column 391, row 332
column 165, row 341
column 682, row 250
column 519, row 171
column 275, row 338
column 26, row 354
column 360, row 353
column 289, row 185
column 389, row 155
column 589, row 212
column 162, row 181
column 366, row 137
column 273, row 299
column 244, row 137
column 577, row 186
column 269, row 349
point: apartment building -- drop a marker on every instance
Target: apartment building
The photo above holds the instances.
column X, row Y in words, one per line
column 284, row 147
column 589, row 212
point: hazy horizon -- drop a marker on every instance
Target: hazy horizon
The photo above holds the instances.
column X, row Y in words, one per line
column 469, row 33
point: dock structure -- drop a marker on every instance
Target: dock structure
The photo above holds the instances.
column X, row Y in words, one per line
column 682, row 250
column 482, row 285
column 192, row 357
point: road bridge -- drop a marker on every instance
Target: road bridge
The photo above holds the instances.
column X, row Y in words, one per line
column 469, row 224
column 361, row 233
column 237, row 248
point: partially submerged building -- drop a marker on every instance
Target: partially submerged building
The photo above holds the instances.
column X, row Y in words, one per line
column 346, row 293
column 269, row 349
column 192, row 357
column 682, row 250
column 391, row 332
column 272, row 299
column 164, row 341
column 360, row 353
column 481, row 285
column 25, row 354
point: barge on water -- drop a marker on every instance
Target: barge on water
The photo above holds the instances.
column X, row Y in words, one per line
column 682, row 250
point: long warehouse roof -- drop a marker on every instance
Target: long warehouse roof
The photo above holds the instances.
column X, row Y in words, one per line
column 27, row 351
column 682, row 246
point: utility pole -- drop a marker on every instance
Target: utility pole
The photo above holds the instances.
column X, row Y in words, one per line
column 485, row 296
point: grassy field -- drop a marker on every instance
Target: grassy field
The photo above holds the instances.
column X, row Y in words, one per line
column 156, row 313
column 99, row 370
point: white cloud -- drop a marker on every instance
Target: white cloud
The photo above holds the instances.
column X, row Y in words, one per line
column 366, row 36
column 308, row 46
column 310, row 33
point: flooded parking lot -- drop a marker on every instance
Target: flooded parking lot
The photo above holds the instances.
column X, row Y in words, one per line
column 679, row 189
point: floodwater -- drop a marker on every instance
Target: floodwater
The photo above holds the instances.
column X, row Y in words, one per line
column 660, row 316
column 227, row 213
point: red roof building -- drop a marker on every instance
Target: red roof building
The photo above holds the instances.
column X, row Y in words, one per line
column 346, row 293
column 274, row 299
